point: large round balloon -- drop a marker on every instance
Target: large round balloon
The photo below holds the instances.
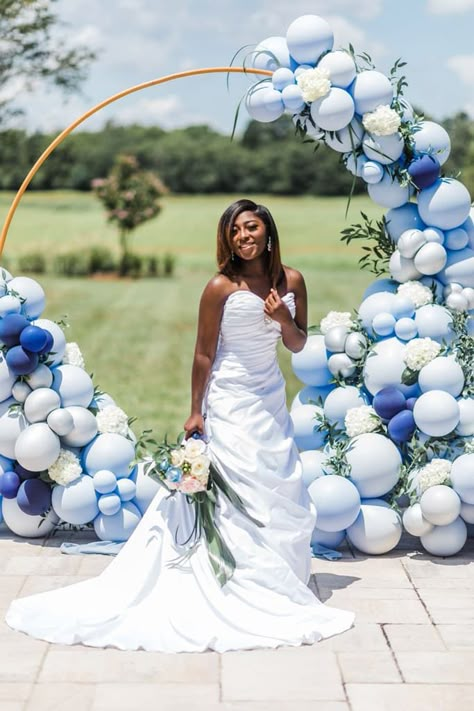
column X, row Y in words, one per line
column 34, row 497
column 40, row 403
column 305, row 426
column 120, row 526
column 308, row 37
column 59, row 340
column 340, row 400
column 375, row 464
column 371, row 89
column 11, row 425
column 31, row 294
column 341, row 68
column 74, row 385
column 442, row 373
column 311, row 363
column 414, row 521
column 383, row 149
column 37, row 447
column 84, row 427
column 440, row 505
column 264, row 103
column 109, row 451
column 445, row 204
column 270, row 54
column 462, row 478
column 377, row 529
column 436, row 413
column 384, row 367
column 389, row 192
column 337, row 502
column 445, row 540
column 459, row 268
column 433, row 139
column 435, row 322
column 334, row 111
column 77, row 501
column 23, row 524
column 312, row 462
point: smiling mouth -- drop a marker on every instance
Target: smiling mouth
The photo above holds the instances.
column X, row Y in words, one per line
column 248, row 245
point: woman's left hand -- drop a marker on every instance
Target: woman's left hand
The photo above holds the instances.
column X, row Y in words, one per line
column 276, row 308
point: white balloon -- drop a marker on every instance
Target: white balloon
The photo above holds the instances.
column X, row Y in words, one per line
column 84, row 427
column 41, row 377
column 402, row 269
column 341, row 68
column 410, row 242
column 436, row 413
column 467, row 512
column 374, row 463
column 60, row 421
column 462, row 478
column 440, row 505
column 74, row 385
column 340, row 365
column 431, row 137
column 339, row 401
column 377, row 529
column 434, row 321
column 355, row 345
column 380, row 302
column 32, row 293
column 465, row 427
column 442, row 373
column 337, row 502
column 312, row 462
column 7, row 379
column 458, row 302
column 384, row 367
column 445, row 540
column 37, row 447
column 22, row 524
column 335, row 339
column 11, row 426
column 40, row 403
column 430, row 259
column 20, row 391
column 414, row 521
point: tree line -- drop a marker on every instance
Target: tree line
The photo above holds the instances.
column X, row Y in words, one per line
column 267, row 158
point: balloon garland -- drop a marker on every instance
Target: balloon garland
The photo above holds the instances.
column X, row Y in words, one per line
column 385, row 421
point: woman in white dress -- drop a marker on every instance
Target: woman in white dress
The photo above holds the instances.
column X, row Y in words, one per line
column 144, row 601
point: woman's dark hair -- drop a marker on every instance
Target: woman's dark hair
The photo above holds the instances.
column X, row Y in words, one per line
column 230, row 267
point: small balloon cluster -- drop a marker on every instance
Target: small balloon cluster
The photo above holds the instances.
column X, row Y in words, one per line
column 66, row 450
column 389, row 396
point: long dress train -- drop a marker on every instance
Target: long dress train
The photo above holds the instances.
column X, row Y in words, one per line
column 141, row 600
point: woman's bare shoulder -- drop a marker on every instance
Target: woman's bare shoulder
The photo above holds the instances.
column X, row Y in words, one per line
column 294, row 279
column 218, row 288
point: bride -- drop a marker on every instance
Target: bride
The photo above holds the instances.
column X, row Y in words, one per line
column 143, row 601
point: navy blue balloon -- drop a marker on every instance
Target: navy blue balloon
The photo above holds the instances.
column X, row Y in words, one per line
column 424, row 170
column 49, row 343
column 9, row 484
column 11, row 326
column 388, row 402
column 34, row 497
column 34, row 338
column 411, row 403
column 401, row 427
column 24, row 473
column 21, row 362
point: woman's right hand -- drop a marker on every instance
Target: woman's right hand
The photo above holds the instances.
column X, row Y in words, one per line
column 194, row 423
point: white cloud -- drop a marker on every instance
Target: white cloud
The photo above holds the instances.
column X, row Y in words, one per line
column 449, row 7
column 463, row 66
column 164, row 111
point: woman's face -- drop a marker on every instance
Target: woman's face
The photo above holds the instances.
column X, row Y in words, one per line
column 248, row 236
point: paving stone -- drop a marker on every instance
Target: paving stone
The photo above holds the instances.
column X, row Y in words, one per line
column 355, row 592
column 92, row 565
column 367, row 667
column 449, row 607
column 283, row 674
column 411, row 697
column 42, row 565
column 385, row 611
column 457, row 636
column 412, row 638
column 364, row 636
column 21, row 662
column 14, row 691
column 124, row 697
column 60, row 695
column 451, row 667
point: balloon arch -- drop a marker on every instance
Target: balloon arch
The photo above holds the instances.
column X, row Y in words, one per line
column 385, row 422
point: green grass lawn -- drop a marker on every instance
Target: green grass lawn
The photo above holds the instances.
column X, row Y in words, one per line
column 138, row 336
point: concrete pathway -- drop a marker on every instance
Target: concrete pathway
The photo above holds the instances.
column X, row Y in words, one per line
column 412, row 648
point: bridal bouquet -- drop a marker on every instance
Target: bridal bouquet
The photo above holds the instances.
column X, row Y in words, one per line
column 184, row 467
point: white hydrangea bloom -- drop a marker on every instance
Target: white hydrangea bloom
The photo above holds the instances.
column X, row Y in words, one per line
column 416, row 292
column 73, row 355
column 112, row 419
column 436, row 472
column 359, row 420
column 419, row 352
column 335, row 318
column 384, row 121
column 66, row 468
column 314, row 83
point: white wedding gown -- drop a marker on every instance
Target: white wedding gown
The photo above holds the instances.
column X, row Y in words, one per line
column 139, row 601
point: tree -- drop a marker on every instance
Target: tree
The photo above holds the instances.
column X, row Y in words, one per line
column 31, row 49
column 131, row 197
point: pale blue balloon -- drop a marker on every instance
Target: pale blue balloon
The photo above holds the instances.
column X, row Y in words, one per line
column 337, row 502
column 430, row 259
column 436, row 413
column 147, row 488
column 76, row 502
column 445, row 540
column 375, row 464
column 7, row 379
column 377, row 529
column 402, row 269
column 340, row 400
column 74, row 385
column 333, row 111
column 400, row 219
column 383, row 149
column 26, row 525
column 406, row 329
column 59, row 339
column 341, row 68
column 435, row 285
column 311, row 393
column 372, row 172
column 40, row 403
column 312, row 463
column 383, row 324
column 9, row 305
column 37, row 447
column 434, row 321
column 433, row 139
column 120, row 526
column 445, row 204
column 465, row 427
column 264, row 103
column 126, row 489
column 443, row 373
column 347, row 139
column 440, row 505
column 376, row 303
column 462, row 479
column 104, row 481
column 84, row 427
column 109, row 451
column 456, row 239
column 468, row 226
column 6, row 464
column 311, row 363
column 109, row 504
column 403, row 307
column 11, row 426
column 389, row 192
column 270, row 54
column 32, row 295
column 433, row 234
column 459, row 268
column 353, row 164
column 292, row 98
column 369, row 90
column 282, row 77
column 41, row 377
column 380, row 285
column 329, row 539
column 384, row 367
column 308, row 37
column 305, row 427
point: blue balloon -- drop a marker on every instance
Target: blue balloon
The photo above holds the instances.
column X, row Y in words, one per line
column 34, row 497
column 459, row 268
column 333, row 111
column 388, row 402
column 445, row 204
column 401, row 426
column 434, row 321
column 282, row 77
column 24, row 473
column 369, row 90
column 411, row 403
column 380, row 285
column 313, row 393
column 270, row 54
column 456, row 239
column 31, row 293
column 109, row 451
column 424, row 170
column 77, row 501
column 264, row 103
column 292, row 98
column 308, row 37
column 48, row 346
column 311, row 364
column 432, row 138
column 305, row 426
column 329, row 539
column 120, row 526
column 21, row 362
column 109, row 504
column 10, row 328
column 104, row 481
column 340, row 400
column 337, row 502
column 383, row 324
column 389, row 192
column 401, row 219
column 9, row 484
column 126, row 489
column 406, row 329
column 34, row 338
column 383, row 149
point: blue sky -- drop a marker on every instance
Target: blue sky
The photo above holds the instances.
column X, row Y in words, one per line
column 138, row 40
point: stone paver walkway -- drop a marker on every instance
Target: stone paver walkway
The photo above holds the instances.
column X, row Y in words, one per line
column 412, row 648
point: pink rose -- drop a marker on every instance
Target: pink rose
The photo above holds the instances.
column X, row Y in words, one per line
column 190, row 485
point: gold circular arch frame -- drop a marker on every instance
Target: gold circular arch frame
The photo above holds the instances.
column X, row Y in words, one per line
column 138, row 87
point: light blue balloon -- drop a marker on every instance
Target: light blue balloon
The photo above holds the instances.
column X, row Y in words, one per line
column 468, row 226
column 74, row 385
column 7, row 379
column 263, row 103
column 401, row 219
column 384, row 367
column 433, row 139
column 372, row 172
column 282, row 77
column 305, row 427
column 340, row 400
column 292, row 98
column 32, row 295
column 104, row 481
column 120, row 526
column 383, row 149
column 59, row 339
column 313, row 393
column 377, row 529
column 37, row 447
column 109, row 451
column 355, row 165
column 341, row 68
column 434, row 321
column 109, row 504
column 147, row 488
column 6, row 464
column 445, row 204
column 126, row 489
column 465, row 427
column 456, row 239
column 435, row 285
column 333, row 111
column 9, row 305
column 380, row 285
column 347, row 139
column 443, row 373
column 76, row 502
column 270, row 54
column 375, row 464
column 311, row 363
column 406, row 329
column 389, row 192
column 433, row 234
column 459, row 268
column 383, row 324
column 445, row 540
column 461, row 477
column 329, row 539
column 403, row 307
column 308, row 37
column 377, row 303
column 337, row 502
column 369, row 90
column 436, row 413
column 312, row 462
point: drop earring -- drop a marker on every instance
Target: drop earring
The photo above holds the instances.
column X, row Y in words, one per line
column 269, row 243
column 232, row 256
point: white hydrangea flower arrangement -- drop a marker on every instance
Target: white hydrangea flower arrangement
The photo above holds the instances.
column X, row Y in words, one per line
column 360, row 420
column 314, row 84
column 73, row 355
column 418, row 293
column 66, row 468
column 419, row 352
column 384, row 121
column 336, row 318
column 112, row 419
column 436, row 472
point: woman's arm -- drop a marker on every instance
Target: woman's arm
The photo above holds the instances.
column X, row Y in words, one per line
column 210, row 314
column 293, row 330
